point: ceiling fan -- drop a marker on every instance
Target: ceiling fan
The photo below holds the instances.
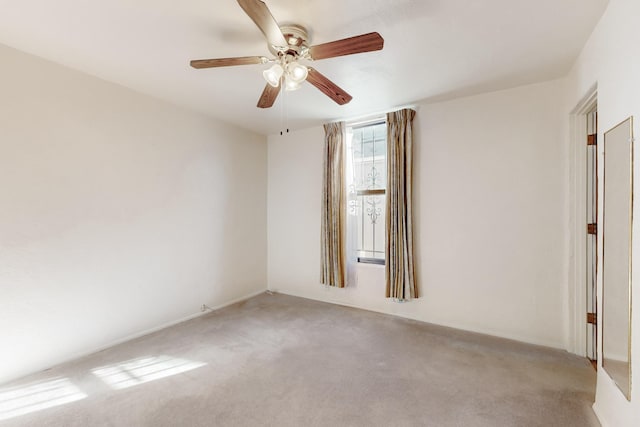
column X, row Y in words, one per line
column 289, row 45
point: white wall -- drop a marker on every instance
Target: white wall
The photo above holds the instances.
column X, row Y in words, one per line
column 118, row 213
column 490, row 217
column 610, row 60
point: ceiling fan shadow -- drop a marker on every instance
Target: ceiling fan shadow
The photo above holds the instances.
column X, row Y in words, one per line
column 241, row 37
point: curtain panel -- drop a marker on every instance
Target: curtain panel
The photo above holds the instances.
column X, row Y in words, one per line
column 333, row 207
column 399, row 266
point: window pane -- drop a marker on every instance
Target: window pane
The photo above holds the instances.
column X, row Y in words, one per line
column 368, row 171
column 369, row 147
column 371, row 226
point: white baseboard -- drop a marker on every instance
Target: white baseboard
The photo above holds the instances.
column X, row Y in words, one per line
column 595, row 410
column 466, row 328
column 149, row 331
column 173, row 322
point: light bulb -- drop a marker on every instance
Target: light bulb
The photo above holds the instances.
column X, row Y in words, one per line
column 273, row 74
column 290, row 84
column 297, row 72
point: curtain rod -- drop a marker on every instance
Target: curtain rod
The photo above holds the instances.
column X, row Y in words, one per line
column 360, row 123
column 381, row 118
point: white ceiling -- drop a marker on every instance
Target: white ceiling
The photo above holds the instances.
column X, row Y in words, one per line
column 434, row 49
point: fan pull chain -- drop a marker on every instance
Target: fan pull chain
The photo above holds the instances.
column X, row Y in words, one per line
column 283, row 107
column 282, row 94
column 286, row 110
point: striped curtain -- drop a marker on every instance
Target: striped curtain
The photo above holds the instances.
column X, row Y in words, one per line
column 333, row 207
column 399, row 266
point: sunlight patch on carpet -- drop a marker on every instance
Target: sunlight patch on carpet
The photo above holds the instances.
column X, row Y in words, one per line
column 24, row 399
column 142, row 370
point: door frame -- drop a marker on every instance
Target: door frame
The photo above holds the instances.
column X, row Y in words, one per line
column 577, row 224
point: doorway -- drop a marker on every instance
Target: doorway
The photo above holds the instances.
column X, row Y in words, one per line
column 591, row 253
column 583, row 228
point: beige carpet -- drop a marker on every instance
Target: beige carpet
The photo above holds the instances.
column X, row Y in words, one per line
column 282, row 361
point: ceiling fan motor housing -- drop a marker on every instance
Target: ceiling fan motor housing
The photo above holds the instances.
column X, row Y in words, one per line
column 297, row 39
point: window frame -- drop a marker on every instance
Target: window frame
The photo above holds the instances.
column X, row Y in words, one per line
column 371, row 192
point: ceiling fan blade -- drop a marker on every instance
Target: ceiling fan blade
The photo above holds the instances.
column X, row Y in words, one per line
column 226, row 62
column 358, row 44
column 328, row 87
column 268, row 97
column 260, row 14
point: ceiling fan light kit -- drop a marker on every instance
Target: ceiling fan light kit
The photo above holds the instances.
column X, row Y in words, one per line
column 293, row 72
column 289, row 45
column 273, row 75
column 290, row 85
column 297, row 72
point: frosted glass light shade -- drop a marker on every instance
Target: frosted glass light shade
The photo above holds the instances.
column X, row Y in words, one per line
column 297, row 72
column 273, row 74
column 290, row 84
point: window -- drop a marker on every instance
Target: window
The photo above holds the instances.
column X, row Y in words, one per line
column 367, row 181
